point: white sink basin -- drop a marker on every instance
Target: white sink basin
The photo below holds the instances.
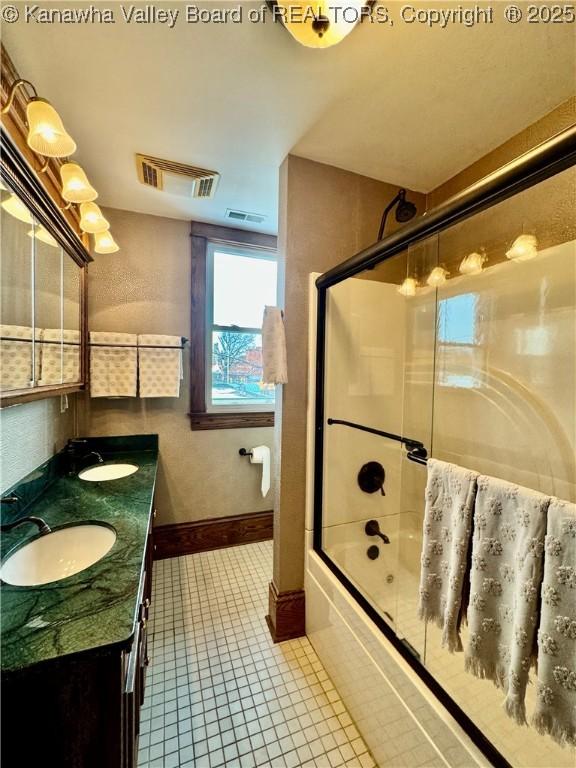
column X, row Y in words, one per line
column 58, row 555
column 102, row 472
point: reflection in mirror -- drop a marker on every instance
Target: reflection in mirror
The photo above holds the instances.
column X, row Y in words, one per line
column 47, row 296
column 71, row 286
column 16, row 318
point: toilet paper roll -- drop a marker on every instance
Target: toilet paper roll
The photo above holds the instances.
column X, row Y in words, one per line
column 261, row 455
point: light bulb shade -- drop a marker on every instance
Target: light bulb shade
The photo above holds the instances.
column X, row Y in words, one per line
column 408, row 287
column 437, row 277
column 43, row 235
column 91, row 219
column 105, row 243
column 320, row 24
column 75, row 185
column 523, row 248
column 46, row 133
column 472, row 264
column 15, row 207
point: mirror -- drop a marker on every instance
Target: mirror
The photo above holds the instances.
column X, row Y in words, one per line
column 40, row 315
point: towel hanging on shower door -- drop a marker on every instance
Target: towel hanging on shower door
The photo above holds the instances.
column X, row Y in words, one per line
column 555, row 712
column 505, row 579
column 450, row 493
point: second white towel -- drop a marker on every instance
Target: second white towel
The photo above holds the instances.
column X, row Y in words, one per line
column 113, row 366
column 159, row 367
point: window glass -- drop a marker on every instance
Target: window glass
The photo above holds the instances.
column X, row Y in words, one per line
column 243, row 285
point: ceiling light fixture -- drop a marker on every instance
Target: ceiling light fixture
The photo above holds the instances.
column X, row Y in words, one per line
column 472, row 264
column 91, row 219
column 15, row 207
column 437, row 277
column 408, row 287
column 523, row 248
column 75, row 185
column 105, row 243
column 46, row 133
column 43, row 235
column 320, row 24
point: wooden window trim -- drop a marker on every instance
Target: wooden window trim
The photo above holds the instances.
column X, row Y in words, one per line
column 200, row 235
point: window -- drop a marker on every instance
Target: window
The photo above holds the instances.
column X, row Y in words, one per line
column 234, row 275
column 239, row 284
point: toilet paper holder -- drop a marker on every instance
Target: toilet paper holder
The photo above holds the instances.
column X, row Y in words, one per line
column 244, row 452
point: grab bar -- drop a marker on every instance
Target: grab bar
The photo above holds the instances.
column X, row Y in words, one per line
column 415, row 449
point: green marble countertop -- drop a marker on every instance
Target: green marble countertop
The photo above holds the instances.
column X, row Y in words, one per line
column 96, row 608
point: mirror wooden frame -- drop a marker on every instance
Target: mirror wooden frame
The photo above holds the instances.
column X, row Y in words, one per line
column 23, row 181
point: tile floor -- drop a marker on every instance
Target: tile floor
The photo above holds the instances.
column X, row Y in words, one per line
column 219, row 692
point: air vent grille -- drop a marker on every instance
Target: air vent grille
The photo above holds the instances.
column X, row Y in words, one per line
column 252, row 218
column 176, row 178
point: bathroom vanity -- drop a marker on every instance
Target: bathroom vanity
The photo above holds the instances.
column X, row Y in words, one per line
column 74, row 651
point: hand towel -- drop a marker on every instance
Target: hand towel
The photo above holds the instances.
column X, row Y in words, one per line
column 60, row 362
column 275, row 370
column 450, row 494
column 555, row 712
column 507, row 553
column 15, row 357
column 159, row 370
column 113, row 364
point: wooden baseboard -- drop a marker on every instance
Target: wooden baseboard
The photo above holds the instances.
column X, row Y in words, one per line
column 214, row 533
column 286, row 614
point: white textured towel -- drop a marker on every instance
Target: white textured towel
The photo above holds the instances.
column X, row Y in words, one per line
column 15, row 357
column 555, row 712
column 275, row 369
column 60, row 362
column 159, row 370
column 113, row 364
column 450, row 493
column 505, row 579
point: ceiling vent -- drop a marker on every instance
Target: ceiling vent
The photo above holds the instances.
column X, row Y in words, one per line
column 250, row 218
column 176, row 178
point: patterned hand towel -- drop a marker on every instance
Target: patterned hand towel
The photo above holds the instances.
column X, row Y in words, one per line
column 555, row 711
column 159, row 370
column 505, row 578
column 15, row 357
column 450, row 494
column 275, row 369
column 113, row 366
column 60, row 361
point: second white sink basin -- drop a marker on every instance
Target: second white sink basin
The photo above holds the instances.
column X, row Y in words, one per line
column 57, row 555
column 102, row 472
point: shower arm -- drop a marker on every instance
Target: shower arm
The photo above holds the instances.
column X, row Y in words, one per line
column 387, row 210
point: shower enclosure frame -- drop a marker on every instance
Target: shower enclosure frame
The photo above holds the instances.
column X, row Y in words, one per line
column 544, row 161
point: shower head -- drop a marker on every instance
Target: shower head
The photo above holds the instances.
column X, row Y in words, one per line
column 405, row 211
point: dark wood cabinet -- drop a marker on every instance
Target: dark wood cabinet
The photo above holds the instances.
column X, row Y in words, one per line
column 83, row 710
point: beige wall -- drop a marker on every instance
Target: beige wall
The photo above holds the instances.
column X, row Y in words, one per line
column 145, row 288
column 326, row 215
column 30, row 434
column 558, row 120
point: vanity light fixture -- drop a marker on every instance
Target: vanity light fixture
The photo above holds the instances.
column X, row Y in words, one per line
column 437, row 277
column 319, row 24
column 523, row 248
column 91, row 219
column 43, row 235
column 472, row 264
column 105, row 243
column 46, row 133
column 408, row 287
column 15, row 207
column 75, row 185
